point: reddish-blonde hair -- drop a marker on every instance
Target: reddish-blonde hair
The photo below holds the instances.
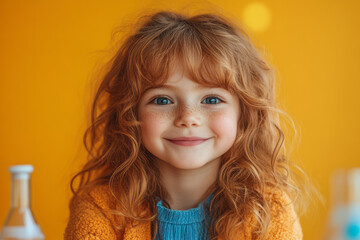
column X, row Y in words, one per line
column 214, row 52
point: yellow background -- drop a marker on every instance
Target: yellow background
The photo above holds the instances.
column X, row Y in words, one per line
column 49, row 50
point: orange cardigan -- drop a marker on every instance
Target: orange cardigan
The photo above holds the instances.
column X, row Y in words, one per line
column 87, row 221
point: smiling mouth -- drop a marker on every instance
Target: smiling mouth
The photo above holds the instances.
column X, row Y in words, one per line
column 187, row 142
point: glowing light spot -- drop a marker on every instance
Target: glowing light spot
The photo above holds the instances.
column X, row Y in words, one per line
column 257, row 16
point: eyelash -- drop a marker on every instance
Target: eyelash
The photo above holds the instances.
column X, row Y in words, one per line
column 208, row 96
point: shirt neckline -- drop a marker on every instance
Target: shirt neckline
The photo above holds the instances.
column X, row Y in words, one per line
column 189, row 216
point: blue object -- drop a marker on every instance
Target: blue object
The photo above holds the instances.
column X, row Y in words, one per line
column 352, row 231
column 352, row 222
column 183, row 224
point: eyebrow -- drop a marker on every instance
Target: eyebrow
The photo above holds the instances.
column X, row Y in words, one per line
column 170, row 87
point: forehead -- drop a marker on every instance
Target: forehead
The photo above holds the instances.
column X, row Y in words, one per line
column 180, row 76
column 180, row 88
column 186, row 88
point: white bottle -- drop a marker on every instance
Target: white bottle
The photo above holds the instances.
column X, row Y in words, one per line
column 20, row 223
column 344, row 218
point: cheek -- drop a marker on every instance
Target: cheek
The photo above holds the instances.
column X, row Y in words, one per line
column 224, row 124
column 153, row 124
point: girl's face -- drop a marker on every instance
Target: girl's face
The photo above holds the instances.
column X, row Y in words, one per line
column 187, row 109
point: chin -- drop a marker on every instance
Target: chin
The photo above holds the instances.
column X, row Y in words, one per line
column 187, row 166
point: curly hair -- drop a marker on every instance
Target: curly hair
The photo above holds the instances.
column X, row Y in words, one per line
column 214, row 52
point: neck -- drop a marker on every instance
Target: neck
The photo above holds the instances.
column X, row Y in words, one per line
column 187, row 187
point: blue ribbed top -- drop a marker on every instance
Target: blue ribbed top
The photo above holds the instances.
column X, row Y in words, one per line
column 183, row 224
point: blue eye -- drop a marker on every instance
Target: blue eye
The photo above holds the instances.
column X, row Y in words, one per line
column 208, row 100
column 160, row 100
column 213, row 100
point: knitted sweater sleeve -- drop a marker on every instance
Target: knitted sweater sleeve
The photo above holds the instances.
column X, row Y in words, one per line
column 285, row 224
column 87, row 220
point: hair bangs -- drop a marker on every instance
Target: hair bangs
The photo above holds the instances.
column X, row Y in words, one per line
column 183, row 47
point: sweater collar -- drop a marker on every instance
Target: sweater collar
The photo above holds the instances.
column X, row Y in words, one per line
column 188, row 216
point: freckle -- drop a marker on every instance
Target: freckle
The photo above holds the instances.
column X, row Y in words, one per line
column 210, row 116
column 189, row 110
column 214, row 115
column 161, row 115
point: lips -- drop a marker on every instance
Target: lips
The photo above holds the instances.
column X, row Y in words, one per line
column 188, row 141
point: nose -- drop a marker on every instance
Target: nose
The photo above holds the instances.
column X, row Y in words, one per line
column 188, row 117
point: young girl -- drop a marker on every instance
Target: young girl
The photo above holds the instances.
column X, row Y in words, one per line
column 185, row 141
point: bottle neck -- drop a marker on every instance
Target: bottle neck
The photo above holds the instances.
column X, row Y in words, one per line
column 20, row 191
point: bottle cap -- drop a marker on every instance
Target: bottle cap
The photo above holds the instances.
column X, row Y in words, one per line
column 21, row 171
